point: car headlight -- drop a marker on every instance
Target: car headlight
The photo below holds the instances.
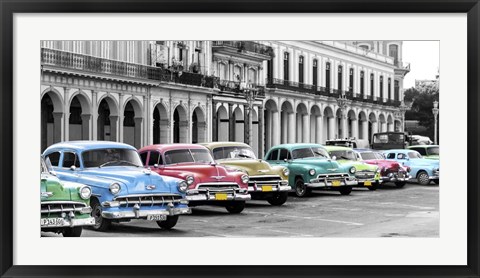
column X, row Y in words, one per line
column 286, row 172
column 352, row 170
column 190, row 180
column 312, row 172
column 245, row 178
column 85, row 192
column 182, row 186
column 114, row 188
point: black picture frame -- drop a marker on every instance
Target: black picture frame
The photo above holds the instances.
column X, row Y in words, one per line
column 9, row 7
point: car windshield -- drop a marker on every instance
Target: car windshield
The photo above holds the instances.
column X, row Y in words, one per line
column 414, row 155
column 309, row 152
column 368, row 155
column 233, row 152
column 343, row 154
column 188, row 156
column 433, row 151
column 378, row 155
column 111, row 157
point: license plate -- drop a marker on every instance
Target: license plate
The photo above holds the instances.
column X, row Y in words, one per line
column 336, row 183
column 267, row 188
column 221, row 196
column 156, row 217
column 367, row 183
column 51, row 222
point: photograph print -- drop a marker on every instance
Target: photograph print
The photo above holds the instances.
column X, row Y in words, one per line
column 294, row 139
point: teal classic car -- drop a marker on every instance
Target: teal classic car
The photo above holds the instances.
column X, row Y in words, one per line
column 366, row 174
column 427, row 151
column 311, row 168
column 65, row 206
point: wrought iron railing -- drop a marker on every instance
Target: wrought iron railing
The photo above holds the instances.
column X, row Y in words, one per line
column 246, row 46
column 237, row 88
column 92, row 64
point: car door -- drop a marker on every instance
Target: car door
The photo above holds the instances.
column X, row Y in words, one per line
column 272, row 156
column 69, row 166
column 283, row 157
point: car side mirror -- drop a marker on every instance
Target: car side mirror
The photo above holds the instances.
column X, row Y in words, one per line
column 285, row 160
column 334, row 158
column 155, row 166
column 73, row 168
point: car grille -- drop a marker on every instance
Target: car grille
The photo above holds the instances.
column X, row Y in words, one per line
column 331, row 177
column 218, row 186
column 260, row 180
column 365, row 175
column 148, row 199
column 62, row 206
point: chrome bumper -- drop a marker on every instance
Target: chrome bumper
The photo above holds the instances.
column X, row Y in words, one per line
column 72, row 222
column 213, row 197
column 395, row 179
column 316, row 183
column 278, row 187
column 138, row 213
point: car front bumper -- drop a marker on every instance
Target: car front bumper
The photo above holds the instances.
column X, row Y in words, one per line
column 324, row 183
column 395, row 178
column 194, row 195
column 136, row 212
column 69, row 222
column 279, row 186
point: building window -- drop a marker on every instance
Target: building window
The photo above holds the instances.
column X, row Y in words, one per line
column 300, row 69
column 340, row 78
column 270, row 71
column 381, row 87
column 362, row 83
column 389, row 88
column 393, row 52
column 350, row 82
column 396, row 89
column 327, row 76
column 372, row 91
column 285, row 65
column 315, row 73
column 364, row 46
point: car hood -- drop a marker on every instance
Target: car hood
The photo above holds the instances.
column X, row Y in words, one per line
column 253, row 167
column 201, row 172
column 424, row 162
column 51, row 189
column 359, row 165
column 327, row 165
column 135, row 179
column 383, row 163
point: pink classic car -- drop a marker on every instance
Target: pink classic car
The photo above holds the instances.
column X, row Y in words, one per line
column 208, row 182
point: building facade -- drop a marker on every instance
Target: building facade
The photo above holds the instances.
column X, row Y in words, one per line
column 263, row 93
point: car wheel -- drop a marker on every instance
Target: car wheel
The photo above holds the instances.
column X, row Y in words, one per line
column 72, row 232
column 345, row 190
column 422, row 178
column 101, row 224
column 301, row 190
column 436, row 181
column 235, row 207
column 400, row 184
column 278, row 199
column 169, row 223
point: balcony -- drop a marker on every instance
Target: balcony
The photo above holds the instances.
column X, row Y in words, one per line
column 245, row 49
column 275, row 83
column 106, row 67
column 237, row 89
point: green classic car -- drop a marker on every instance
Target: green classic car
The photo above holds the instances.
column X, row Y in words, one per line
column 312, row 168
column 265, row 182
column 427, row 151
column 65, row 206
column 367, row 175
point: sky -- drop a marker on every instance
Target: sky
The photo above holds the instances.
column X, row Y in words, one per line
column 424, row 59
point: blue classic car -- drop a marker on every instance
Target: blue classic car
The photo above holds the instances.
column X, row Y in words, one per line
column 311, row 167
column 121, row 188
column 424, row 170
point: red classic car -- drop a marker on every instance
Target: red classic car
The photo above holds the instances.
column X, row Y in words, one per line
column 208, row 182
column 391, row 171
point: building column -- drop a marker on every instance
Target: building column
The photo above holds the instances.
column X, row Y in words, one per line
column 121, row 115
column 214, row 122
column 247, row 124
column 355, row 128
column 319, row 130
column 298, row 130
column 343, row 125
column 94, row 108
column 113, row 128
column 138, row 132
column 231, row 123
column 261, row 138
column 331, row 128
column 86, row 135
column 57, row 127
column 284, row 127
column 365, row 130
column 306, row 128
column 374, row 127
column 275, row 129
column 291, row 127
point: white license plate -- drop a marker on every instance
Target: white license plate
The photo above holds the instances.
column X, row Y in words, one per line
column 51, row 222
column 156, row 217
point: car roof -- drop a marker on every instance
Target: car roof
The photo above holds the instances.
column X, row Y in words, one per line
column 297, row 146
column 364, row 150
column 338, row 148
column 89, row 145
column 399, row 150
column 167, row 147
column 212, row 145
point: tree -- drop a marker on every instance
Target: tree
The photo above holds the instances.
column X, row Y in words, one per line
column 421, row 111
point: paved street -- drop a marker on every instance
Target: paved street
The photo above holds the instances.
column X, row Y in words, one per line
column 412, row 211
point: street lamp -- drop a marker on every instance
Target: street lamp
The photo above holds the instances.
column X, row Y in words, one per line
column 342, row 104
column 435, row 111
column 250, row 92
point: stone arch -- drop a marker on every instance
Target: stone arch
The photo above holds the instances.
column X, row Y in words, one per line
column 180, row 125
column 390, row 123
column 239, row 124
column 161, row 124
column 398, row 126
column 107, row 120
column 382, row 123
column 286, row 122
column 316, row 124
column 199, row 126
column 51, row 114
column 222, row 124
column 372, row 125
column 79, row 117
column 362, row 125
column 303, row 123
column 328, row 123
column 132, row 122
column 352, row 124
